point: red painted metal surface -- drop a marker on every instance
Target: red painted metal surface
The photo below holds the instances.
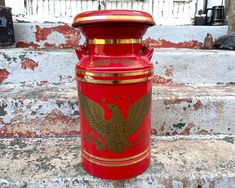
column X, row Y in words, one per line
column 114, row 85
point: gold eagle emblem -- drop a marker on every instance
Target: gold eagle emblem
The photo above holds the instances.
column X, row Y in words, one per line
column 117, row 130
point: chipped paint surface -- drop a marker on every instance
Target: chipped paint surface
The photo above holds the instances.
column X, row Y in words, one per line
column 54, row 124
column 175, row 163
column 181, row 66
column 197, row 105
column 27, row 63
column 177, row 107
column 26, row 44
column 35, row 111
column 69, row 37
column 161, row 80
column 52, row 110
column 186, row 110
column 168, row 44
column 182, row 36
column 64, row 36
column 46, row 36
column 3, row 75
column 195, row 67
column 54, row 66
column 175, row 100
column 169, row 71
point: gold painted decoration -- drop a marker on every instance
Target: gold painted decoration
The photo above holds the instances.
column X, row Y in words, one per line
column 116, row 162
column 114, row 17
column 124, row 159
column 137, row 73
column 105, row 62
column 117, row 130
column 114, row 41
column 90, row 79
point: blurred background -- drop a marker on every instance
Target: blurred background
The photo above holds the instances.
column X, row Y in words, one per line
column 165, row 12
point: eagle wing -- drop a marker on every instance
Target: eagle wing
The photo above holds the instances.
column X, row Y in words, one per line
column 137, row 113
column 94, row 114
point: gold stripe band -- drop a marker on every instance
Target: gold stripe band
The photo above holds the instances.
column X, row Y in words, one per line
column 115, row 17
column 117, row 164
column 91, row 80
column 115, row 74
column 114, row 41
column 116, row 160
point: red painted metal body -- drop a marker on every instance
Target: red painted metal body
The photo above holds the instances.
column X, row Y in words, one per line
column 114, row 85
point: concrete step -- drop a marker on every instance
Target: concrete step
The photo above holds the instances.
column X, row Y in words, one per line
column 52, row 35
column 45, row 110
column 178, row 66
column 197, row 67
column 177, row 162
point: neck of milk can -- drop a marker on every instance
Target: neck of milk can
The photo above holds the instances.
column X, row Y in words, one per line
column 114, row 39
column 114, row 47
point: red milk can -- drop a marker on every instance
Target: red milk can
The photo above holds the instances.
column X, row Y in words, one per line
column 114, row 79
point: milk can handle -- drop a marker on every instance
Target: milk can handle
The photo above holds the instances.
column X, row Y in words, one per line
column 147, row 52
column 82, row 52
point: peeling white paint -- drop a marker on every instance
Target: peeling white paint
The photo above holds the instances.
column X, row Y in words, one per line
column 26, row 32
column 179, row 34
column 56, row 38
column 199, row 67
column 53, row 66
column 18, row 110
column 31, row 102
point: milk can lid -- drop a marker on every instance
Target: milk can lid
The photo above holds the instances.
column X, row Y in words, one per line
column 113, row 16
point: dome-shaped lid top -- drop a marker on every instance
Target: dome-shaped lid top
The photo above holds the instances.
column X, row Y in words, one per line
column 113, row 16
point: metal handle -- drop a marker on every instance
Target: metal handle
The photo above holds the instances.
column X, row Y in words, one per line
column 82, row 52
column 147, row 52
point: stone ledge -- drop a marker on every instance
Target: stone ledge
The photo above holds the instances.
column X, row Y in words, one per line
column 197, row 67
column 179, row 66
column 177, row 162
column 52, row 35
column 42, row 110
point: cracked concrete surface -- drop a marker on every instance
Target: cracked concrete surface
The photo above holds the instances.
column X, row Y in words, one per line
column 176, row 162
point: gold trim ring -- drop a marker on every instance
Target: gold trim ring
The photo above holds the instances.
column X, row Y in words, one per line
column 116, row 160
column 118, row 163
column 137, row 73
column 114, row 41
column 114, row 17
column 94, row 81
